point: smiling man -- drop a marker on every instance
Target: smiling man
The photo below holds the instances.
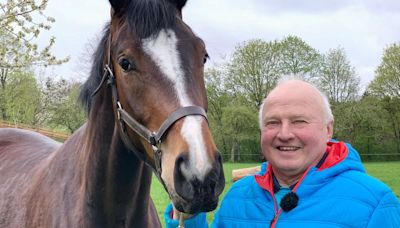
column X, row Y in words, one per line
column 309, row 180
column 296, row 123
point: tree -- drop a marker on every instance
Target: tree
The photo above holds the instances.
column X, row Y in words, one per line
column 216, row 92
column 298, row 58
column 365, row 124
column 68, row 114
column 60, row 102
column 240, row 123
column 218, row 98
column 337, row 77
column 21, row 22
column 392, row 106
column 386, row 85
column 19, row 29
column 387, row 75
column 22, row 96
column 254, row 70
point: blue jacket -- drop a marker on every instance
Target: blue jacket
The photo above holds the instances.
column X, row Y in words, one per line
column 337, row 194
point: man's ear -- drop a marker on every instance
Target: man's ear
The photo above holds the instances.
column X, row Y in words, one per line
column 330, row 130
column 118, row 5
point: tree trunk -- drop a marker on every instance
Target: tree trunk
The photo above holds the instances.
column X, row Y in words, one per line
column 238, row 153
column 233, row 149
column 3, row 80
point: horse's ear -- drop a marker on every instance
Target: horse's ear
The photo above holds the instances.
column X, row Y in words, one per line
column 179, row 4
column 118, row 5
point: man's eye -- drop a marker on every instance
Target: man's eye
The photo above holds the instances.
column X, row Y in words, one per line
column 300, row 123
column 271, row 123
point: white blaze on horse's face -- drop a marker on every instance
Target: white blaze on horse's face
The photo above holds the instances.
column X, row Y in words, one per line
column 163, row 51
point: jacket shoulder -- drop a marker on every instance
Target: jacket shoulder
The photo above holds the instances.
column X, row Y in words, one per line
column 245, row 205
column 370, row 187
column 246, row 187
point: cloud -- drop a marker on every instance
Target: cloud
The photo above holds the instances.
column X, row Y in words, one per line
column 362, row 27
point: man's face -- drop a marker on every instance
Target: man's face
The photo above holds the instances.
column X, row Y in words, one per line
column 295, row 129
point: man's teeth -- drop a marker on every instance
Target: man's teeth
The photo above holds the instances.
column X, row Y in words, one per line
column 287, row 148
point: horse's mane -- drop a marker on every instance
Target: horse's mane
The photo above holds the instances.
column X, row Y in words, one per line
column 145, row 18
column 96, row 73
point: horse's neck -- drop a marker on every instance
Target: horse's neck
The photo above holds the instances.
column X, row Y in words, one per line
column 116, row 183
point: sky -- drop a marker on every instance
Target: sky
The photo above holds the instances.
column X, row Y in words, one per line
column 363, row 28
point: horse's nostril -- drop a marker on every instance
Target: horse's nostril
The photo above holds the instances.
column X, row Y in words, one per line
column 182, row 185
column 220, row 182
column 190, row 188
column 199, row 195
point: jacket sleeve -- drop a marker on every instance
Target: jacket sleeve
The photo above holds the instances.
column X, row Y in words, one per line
column 198, row 221
column 387, row 213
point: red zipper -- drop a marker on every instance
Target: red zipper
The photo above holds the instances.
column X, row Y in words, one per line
column 276, row 212
column 275, row 219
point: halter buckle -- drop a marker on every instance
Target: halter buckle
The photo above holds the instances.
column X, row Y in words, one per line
column 119, row 107
column 153, row 140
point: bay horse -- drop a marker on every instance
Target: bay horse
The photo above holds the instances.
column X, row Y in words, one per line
column 146, row 103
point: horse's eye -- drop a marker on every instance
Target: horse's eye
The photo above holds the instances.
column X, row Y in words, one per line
column 126, row 65
column 206, row 57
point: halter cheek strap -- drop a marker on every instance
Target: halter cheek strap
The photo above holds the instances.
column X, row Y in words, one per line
column 153, row 138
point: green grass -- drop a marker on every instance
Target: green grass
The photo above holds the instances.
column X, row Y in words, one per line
column 388, row 172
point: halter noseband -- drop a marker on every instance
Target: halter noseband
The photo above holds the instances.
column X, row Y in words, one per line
column 153, row 138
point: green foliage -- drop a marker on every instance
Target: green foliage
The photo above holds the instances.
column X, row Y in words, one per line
column 254, row 70
column 217, row 94
column 60, row 101
column 53, row 104
column 386, row 85
column 21, row 23
column 392, row 106
column 365, row 125
column 67, row 113
column 240, row 121
column 299, row 58
column 387, row 80
column 233, row 123
column 240, row 125
column 21, row 98
column 337, row 77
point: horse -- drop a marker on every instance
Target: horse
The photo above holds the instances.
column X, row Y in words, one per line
column 146, row 103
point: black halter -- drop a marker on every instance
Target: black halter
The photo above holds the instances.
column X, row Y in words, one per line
column 153, row 138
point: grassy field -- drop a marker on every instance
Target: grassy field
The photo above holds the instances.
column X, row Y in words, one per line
column 388, row 172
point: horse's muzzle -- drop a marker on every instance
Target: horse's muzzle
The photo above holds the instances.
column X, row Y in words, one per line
column 198, row 196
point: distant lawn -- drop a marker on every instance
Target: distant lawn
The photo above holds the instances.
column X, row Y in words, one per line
column 388, row 172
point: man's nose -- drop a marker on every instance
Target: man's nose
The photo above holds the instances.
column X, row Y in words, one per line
column 285, row 132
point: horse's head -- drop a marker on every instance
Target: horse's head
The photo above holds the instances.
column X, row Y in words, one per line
column 154, row 65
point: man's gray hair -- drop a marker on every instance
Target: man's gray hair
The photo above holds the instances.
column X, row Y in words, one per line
column 327, row 107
